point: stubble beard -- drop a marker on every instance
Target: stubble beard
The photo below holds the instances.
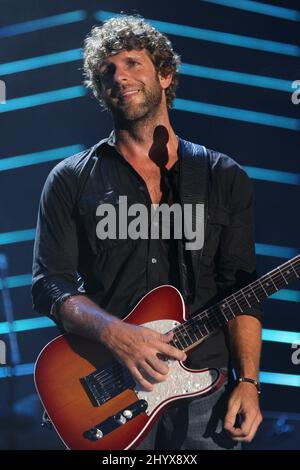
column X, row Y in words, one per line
column 146, row 109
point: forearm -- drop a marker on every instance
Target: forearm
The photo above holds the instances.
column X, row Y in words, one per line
column 134, row 346
column 244, row 334
column 80, row 315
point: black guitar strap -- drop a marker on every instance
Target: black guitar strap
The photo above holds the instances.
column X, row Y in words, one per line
column 193, row 189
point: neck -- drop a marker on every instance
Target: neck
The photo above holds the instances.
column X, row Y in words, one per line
column 149, row 138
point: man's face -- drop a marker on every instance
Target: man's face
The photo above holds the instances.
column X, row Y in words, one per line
column 131, row 87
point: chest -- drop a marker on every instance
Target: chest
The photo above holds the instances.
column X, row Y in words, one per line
column 154, row 180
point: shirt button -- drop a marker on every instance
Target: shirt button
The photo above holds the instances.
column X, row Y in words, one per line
column 154, row 260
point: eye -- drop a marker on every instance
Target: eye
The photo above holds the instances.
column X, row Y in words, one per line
column 133, row 62
column 105, row 71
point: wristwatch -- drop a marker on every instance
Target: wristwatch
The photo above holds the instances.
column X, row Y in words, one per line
column 251, row 381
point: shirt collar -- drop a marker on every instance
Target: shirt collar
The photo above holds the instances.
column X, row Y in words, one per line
column 111, row 141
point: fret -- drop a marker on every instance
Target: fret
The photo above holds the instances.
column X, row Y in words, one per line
column 293, row 269
column 224, row 306
column 263, row 287
column 191, row 327
column 207, row 315
column 201, row 325
column 215, row 319
column 245, row 296
column 232, row 295
column 249, row 296
column 204, row 314
column 226, row 311
column 259, row 289
column 250, row 285
column 243, row 300
column 199, row 330
column 176, row 340
column 187, row 333
column 283, row 276
column 270, row 277
column 195, row 326
column 211, row 320
column 183, row 335
column 268, row 286
column 288, row 272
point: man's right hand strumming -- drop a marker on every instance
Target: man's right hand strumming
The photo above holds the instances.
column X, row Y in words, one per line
column 136, row 347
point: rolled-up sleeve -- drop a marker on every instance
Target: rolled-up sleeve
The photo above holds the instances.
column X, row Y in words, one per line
column 55, row 256
column 236, row 260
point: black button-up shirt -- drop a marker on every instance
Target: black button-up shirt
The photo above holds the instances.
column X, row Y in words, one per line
column 116, row 273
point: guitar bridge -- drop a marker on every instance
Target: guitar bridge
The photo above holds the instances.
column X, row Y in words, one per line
column 104, row 384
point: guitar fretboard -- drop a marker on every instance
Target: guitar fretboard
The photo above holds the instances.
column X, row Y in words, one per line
column 206, row 322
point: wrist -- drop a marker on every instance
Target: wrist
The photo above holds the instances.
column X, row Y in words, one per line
column 255, row 383
column 108, row 326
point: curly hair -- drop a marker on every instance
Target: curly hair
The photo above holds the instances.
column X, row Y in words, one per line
column 127, row 33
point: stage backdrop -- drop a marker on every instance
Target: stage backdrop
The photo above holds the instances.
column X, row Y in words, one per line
column 237, row 94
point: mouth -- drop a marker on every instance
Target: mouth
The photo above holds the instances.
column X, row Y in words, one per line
column 128, row 95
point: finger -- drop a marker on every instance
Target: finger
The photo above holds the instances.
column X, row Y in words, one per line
column 166, row 337
column 149, row 373
column 172, row 352
column 230, row 418
column 246, row 425
column 158, row 364
column 255, row 426
column 249, row 437
column 138, row 377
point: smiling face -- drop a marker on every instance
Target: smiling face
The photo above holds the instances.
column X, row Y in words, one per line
column 131, row 87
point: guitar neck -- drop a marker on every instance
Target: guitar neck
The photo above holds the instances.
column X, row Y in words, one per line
column 202, row 324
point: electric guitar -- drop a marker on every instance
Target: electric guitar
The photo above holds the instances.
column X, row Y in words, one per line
column 93, row 401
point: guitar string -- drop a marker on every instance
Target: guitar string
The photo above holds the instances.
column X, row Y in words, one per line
column 193, row 319
column 192, row 322
column 212, row 319
column 119, row 373
column 188, row 326
column 241, row 298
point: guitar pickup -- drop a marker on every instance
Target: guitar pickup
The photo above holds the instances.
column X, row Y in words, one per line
column 103, row 385
column 101, row 430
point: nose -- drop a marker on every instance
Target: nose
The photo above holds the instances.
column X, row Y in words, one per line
column 119, row 74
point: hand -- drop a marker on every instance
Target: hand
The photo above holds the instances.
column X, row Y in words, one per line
column 243, row 401
column 138, row 348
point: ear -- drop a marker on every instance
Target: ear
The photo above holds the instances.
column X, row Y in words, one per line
column 165, row 79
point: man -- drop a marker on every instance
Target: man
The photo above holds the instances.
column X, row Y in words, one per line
column 133, row 71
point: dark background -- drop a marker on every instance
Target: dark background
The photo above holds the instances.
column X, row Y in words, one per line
column 79, row 122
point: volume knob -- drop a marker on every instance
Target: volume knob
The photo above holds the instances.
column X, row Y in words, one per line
column 120, row 419
column 96, row 434
column 128, row 414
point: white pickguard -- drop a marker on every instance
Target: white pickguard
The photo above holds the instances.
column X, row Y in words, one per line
column 181, row 381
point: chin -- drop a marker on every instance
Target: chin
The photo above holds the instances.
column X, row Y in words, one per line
column 133, row 114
